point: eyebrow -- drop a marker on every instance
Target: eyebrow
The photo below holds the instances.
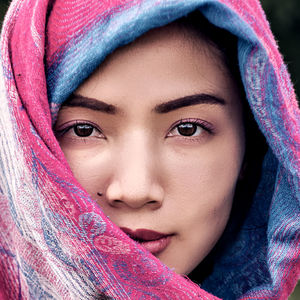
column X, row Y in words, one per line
column 188, row 101
column 76, row 100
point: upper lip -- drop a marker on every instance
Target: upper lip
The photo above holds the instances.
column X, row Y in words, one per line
column 144, row 234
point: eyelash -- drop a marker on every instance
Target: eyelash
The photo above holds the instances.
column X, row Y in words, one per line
column 72, row 125
column 196, row 122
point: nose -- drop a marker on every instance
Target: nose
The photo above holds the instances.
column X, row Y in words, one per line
column 136, row 180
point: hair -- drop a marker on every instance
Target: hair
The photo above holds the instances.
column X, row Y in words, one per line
column 226, row 45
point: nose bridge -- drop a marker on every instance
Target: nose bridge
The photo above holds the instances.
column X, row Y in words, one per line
column 136, row 175
column 135, row 159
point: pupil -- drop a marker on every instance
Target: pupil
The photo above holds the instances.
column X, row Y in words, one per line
column 83, row 130
column 187, row 129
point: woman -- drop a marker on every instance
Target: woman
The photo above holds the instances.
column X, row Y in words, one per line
column 150, row 142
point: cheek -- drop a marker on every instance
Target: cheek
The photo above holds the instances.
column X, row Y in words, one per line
column 210, row 170
column 203, row 182
column 90, row 169
column 201, row 188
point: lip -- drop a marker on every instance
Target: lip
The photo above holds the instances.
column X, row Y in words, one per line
column 155, row 242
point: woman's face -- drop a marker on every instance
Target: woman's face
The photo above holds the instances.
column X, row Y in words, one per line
column 156, row 137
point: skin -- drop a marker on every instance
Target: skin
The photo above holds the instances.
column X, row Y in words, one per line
column 150, row 174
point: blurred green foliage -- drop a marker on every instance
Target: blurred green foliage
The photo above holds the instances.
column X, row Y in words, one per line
column 3, row 7
column 296, row 294
column 284, row 18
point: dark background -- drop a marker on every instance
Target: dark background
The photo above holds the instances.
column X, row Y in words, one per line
column 284, row 18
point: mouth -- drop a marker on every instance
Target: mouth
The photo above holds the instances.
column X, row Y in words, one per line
column 155, row 242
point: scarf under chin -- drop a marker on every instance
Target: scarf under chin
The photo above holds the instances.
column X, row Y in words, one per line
column 55, row 242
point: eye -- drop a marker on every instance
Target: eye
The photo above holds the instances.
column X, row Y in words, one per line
column 83, row 130
column 79, row 130
column 190, row 128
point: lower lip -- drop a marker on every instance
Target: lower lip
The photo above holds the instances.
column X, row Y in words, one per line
column 157, row 246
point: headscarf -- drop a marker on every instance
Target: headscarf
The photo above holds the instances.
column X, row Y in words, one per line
column 55, row 242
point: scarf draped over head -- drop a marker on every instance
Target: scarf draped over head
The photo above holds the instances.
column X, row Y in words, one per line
column 55, row 242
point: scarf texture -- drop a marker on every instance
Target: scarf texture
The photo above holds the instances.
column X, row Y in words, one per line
column 55, row 242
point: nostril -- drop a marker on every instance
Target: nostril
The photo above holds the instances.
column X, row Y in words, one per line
column 134, row 203
column 152, row 202
column 117, row 201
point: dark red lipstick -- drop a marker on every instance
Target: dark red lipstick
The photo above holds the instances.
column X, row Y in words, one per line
column 153, row 241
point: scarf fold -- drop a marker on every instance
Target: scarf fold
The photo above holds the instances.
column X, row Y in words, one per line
column 55, row 242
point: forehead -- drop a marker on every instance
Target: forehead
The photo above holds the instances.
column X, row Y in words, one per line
column 159, row 50
column 164, row 64
column 175, row 37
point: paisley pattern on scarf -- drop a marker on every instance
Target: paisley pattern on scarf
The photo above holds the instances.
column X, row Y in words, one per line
column 55, row 242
